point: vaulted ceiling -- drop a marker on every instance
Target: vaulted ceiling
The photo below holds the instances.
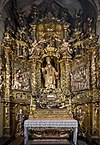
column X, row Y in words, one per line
column 87, row 8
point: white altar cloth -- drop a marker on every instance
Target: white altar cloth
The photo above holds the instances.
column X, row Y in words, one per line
column 52, row 124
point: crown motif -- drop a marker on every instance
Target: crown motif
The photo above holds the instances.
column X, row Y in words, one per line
column 50, row 51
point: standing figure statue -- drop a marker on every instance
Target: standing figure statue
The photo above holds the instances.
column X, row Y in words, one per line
column 50, row 75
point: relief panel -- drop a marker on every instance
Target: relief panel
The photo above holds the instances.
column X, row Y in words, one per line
column 21, row 77
column 80, row 77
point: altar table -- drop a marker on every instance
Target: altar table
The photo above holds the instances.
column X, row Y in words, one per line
column 52, row 124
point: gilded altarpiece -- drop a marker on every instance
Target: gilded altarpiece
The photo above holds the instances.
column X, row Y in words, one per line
column 45, row 75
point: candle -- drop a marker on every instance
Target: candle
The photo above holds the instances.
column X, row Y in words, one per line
column 6, row 110
column 20, row 111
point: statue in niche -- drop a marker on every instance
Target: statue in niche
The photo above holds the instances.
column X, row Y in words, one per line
column 50, row 75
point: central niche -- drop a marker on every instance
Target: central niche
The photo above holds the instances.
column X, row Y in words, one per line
column 50, row 79
column 50, row 73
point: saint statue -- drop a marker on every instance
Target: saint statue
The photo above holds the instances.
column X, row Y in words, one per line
column 50, row 75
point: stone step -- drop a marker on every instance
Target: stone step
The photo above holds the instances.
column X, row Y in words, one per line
column 49, row 141
column 56, row 142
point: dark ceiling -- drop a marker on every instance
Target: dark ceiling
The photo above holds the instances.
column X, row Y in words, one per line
column 14, row 8
column 72, row 5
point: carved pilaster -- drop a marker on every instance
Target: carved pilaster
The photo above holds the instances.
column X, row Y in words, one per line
column 67, row 65
column 94, row 119
column 1, row 75
column 98, row 68
column 93, row 69
column 7, row 84
column 38, row 77
column 7, row 126
column 33, row 78
column 1, row 89
column 33, row 87
column 63, row 74
column 91, row 114
column 7, row 95
column 99, row 119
